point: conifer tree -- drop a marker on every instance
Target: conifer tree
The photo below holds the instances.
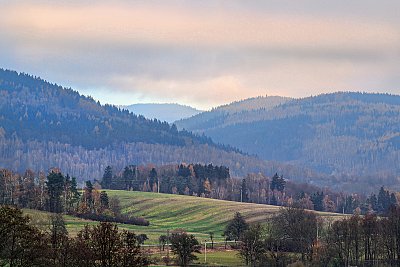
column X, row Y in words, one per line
column 55, row 187
column 152, row 178
column 244, row 194
column 277, row 183
column 107, row 178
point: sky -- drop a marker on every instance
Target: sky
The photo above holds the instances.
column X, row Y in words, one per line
column 204, row 53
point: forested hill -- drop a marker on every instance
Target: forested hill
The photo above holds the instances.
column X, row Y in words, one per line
column 33, row 109
column 44, row 125
column 217, row 117
column 338, row 133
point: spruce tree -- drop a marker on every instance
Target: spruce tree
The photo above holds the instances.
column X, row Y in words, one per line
column 128, row 177
column 152, row 178
column 243, row 191
column 55, row 188
column 104, row 201
column 107, row 178
column 277, row 183
column 318, row 201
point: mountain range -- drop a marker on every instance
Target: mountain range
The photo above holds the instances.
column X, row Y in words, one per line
column 338, row 134
column 43, row 125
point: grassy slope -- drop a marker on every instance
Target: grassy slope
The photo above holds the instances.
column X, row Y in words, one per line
column 196, row 215
column 164, row 211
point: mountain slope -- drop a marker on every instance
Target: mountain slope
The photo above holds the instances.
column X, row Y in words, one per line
column 33, row 109
column 163, row 112
column 43, row 125
column 339, row 133
column 217, row 117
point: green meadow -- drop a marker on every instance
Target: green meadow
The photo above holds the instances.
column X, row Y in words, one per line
column 196, row 215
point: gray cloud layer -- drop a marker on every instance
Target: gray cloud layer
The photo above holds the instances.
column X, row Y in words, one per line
column 204, row 53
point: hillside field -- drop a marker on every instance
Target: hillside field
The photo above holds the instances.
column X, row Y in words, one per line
column 196, row 215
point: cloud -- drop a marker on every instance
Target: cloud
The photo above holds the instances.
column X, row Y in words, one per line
column 204, row 53
column 163, row 25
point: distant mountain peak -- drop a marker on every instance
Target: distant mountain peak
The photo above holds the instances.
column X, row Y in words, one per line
column 168, row 112
column 215, row 117
column 253, row 103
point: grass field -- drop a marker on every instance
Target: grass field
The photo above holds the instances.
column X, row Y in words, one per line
column 199, row 216
column 196, row 215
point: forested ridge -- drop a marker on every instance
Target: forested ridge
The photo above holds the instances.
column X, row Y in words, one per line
column 339, row 133
column 217, row 117
column 33, row 109
column 43, row 125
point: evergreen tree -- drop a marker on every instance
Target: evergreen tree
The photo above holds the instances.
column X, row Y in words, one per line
column 152, row 178
column 349, row 205
column 55, row 187
column 277, row 183
column 183, row 171
column 318, row 201
column 107, row 178
column 88, row 196
column 383, row 200
column 104, row 202
column 129, row 176
column 244, row 194
column 75, row 194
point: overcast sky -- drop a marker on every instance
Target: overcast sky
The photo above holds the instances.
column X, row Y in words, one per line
column 204, row 53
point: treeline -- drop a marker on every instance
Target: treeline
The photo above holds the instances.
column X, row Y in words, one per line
column 99, row 245
column 296, row 235
column 57, row 193
column 19, row 155
column 215, row 182
column 192, row 179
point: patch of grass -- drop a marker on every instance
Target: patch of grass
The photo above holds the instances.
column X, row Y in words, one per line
column 214, row 258
column 220, row 258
